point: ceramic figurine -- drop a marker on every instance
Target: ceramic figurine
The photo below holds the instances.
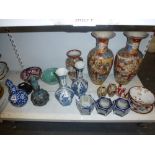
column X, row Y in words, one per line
column 121, row 107
column 80, row 85
column 17, row 96
column 25, row 87
column 85, row 104
column 1, row 91
column 102, row 91
column 111, row 89
column 64, row 93
column 73, row 57
column 49, row 76
column 128, row 59
column 100, row 58
column 104, row 106
column 39, row 97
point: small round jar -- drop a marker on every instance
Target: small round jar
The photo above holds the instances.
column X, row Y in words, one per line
column 112, row 89
column 102, row 91
column 73, row 56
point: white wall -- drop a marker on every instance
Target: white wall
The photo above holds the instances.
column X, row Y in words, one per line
column 48, row 49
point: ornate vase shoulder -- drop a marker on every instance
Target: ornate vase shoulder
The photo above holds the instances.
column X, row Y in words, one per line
column 100, row 58
column 72, row 57
column 80, row 85
column 129, row 58
column 64, row 93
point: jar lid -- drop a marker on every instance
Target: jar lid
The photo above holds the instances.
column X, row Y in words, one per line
column 79, row 65
column 61, row 71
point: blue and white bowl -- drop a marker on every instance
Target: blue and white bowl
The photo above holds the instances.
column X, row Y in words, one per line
column 104, row 106
column 85, row 104
column 121, row 107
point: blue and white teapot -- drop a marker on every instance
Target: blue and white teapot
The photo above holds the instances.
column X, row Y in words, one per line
column 17, row 96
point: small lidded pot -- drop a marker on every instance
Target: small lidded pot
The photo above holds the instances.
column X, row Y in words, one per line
column 112, row 89
column 85, row 104
column 121, row 107
column 102, row 91
column 73, row 56
column 104, row 106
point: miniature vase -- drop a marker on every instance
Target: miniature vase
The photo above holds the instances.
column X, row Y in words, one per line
column 128, row 59
column 39, row 97
column 100, row 58
column 64, row 93
column 17, row 96
column 72, row 57
column 80, row 85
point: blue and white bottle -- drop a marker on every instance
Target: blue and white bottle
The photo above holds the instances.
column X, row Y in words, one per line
column 64, row 94
column 17, row 96
column 80, row 85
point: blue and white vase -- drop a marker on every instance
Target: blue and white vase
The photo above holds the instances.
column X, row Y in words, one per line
column 64, row 93
column 17, row 96
column 80, row 85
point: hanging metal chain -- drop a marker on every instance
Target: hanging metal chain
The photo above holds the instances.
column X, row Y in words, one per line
column 16, row 51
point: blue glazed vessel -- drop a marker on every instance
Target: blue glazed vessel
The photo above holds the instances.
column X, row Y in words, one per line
column 104, row 106
column 121, row 107
column 80, row 85
column 17, row 96
column 64, row 93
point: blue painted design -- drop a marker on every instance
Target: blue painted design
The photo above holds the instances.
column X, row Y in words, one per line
column 79, row 86
column 17, row 96
column 121, row 111
column 104, row 110
column 64, row 95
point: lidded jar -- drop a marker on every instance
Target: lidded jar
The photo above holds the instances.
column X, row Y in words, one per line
column 100, row 58
column 80, row 85
column 64, row 93
column 129, row 58
column 73, row 56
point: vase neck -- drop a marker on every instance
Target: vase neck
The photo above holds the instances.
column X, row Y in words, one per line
column 133, row 44
column 62, row 81
column 102, row 44
column 79, row 73
column 34, row 83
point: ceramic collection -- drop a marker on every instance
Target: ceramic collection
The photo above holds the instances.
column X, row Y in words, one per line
column 113, row 97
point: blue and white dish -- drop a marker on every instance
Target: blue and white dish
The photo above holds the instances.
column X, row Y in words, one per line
column 85, row 104
column 104, row 106
column 17, row 96
column 121, row 107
